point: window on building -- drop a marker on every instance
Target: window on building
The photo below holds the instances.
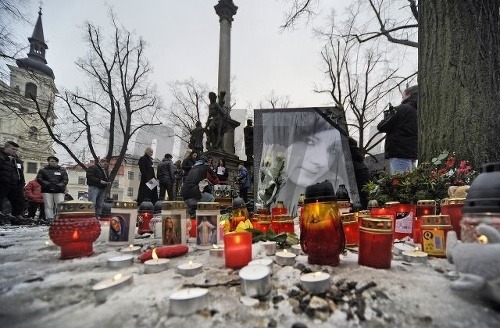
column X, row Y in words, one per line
column 33, row 133
column 81, row 180
column 31, row 167
column 131, row 175
column 130, row 192
column 115, row 197
column 30, row 90
column 115, row 184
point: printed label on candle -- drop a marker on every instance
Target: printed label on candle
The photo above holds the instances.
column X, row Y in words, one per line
column 404, row 222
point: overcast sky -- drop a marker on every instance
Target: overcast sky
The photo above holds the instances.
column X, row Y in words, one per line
column 183, row 38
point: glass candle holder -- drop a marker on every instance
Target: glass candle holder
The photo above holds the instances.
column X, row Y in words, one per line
column 375, row 242
column 424, row 207
column 144, row 216
column 453, row 208
column 351, row 229
column 321, row 233
column 75, row 229
column 434, row 230
column 237, row 249
column 282, row 223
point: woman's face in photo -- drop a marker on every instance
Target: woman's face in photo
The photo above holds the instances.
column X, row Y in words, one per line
column 309, row 159
column 170, row 223
column 115, row 225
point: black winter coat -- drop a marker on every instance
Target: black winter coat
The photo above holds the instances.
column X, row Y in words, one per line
column 401, row 128
column 146, row 167
column 190, row 188
column 11, row 170
column 95, row 174
column 166, row 171
column 52, row 179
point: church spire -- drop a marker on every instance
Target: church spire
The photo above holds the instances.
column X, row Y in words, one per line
column 36, row 56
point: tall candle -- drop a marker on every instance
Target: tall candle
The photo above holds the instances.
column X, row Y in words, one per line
column 237, row 249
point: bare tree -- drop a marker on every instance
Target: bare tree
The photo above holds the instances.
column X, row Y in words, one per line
column 120, row 100
column 273, row 101
column 361, row 79
column 189, row 106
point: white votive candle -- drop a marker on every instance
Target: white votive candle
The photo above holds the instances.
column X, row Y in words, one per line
column 190, row 269
column 415, row 256
column 285, row 258
column 296, row 249
column 131, row 249
column 265, row 262
column 104, row 288
column 255, row 280
column 269, row 247
column 216, row 251
column 156, row 264
column 119, row 262
column 50, row 245
column 187, row 301
column 399, row 248
column 315, row 282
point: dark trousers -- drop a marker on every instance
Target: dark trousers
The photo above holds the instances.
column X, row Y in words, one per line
column 244, row 193
column 16, row 198
column 32, row 207
column 168, row 188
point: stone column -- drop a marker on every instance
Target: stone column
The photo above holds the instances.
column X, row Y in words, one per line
column 226, row 9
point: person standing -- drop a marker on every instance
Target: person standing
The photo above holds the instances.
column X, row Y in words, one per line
column 187, row 163
column 166, row 176
column 98, row 181
column 147, row 175
column 53, row 179
column 33, row 192
column 400, row 125
column 222, row 171
column 12, row 183
column 243, row 181
column 193, row 190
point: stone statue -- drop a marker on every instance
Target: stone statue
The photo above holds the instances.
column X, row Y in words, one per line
column 196, row 140
column 216, row 122
column 248, row 134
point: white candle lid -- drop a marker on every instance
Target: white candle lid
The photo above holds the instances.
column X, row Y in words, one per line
column 254, row 272
column 188, row 293
column 315, row 276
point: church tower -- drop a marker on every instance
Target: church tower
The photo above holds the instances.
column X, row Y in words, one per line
column 31, row 79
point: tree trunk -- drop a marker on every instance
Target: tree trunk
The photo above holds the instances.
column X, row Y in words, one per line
column 459, row 75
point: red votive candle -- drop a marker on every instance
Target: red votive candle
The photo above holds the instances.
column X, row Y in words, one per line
column 424, row 207
column 434, row 230
column 375, row 242
column 237, row 249
column 403, row 219
column 453, row 208
column 192, row 230
column 351, row 229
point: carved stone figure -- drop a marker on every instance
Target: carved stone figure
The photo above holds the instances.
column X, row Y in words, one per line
column 196, row 140
column 248, row 134
column 216, row 121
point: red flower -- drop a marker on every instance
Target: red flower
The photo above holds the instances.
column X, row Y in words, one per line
column 442, row 171
column 395, row 182
column 450, row 162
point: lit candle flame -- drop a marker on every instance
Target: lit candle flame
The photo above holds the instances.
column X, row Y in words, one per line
column 285, row 251
column 482, row 239
column 131, row 246
column 75, row 235
column 417, row 249
column 154, row 255
column 317, row 274
column 47, row 243
column 215, row 246
column 117, row 277
column 190, row 263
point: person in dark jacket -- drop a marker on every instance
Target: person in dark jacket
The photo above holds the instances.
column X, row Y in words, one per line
column 243, row 180
column 98, row 181
column 401, row 128
column 188, row 162
column 53, row 179
column 166, row 176
column 147, row 174
column 193, row 189
column 12, row 184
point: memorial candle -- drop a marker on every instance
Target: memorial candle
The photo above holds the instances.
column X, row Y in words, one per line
column 216, row 251
column 187, row 301
column 237, row 249
column 190, row 269
column 315, row 282
column 131, row 249
column 285, row 258
column 256, row 280
column 104, row 288
column 156, row 264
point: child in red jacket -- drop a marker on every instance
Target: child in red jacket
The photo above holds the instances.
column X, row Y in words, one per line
column 33, row 192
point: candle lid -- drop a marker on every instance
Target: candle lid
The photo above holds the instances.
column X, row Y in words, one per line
column 125, row 204
column 483, row 195
column 452, row 201
column 382, row 224
column 437, row 220
column 348, row 218
column 208, row 206
column 319, row 192
column 254, row 272
column 426, row 202
column 171, row 205
column 75, row 206
column 391, row 203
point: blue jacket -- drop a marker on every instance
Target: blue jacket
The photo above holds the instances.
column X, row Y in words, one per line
column 243, row 178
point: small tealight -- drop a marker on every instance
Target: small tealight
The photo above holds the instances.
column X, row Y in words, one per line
column 50, row 245
column 104, row 288
column 187, row 301
column 315, row 282
column 415, row 256
column 399, row 248
column 264, row 262
column 269, row 247
column 131, row 249
column 190, row 269
column 216, row 251
column 285, row 258
column 256, row 280
column 119, row 262
column 296, row 249
column 156, row 264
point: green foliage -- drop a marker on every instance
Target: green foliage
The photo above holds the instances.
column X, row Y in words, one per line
column 283, row 240
column 427, row 181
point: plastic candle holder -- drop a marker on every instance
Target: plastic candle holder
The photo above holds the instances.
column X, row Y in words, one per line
column 237, row 249
column 453, row 208
column 375, row 242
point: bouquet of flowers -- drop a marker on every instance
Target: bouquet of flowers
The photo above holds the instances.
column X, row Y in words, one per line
column 271, row 179
column 427, row 181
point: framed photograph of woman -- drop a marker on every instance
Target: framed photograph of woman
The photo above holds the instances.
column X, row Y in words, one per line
column 119, row 228
column 296, row 148
column 172, row 230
